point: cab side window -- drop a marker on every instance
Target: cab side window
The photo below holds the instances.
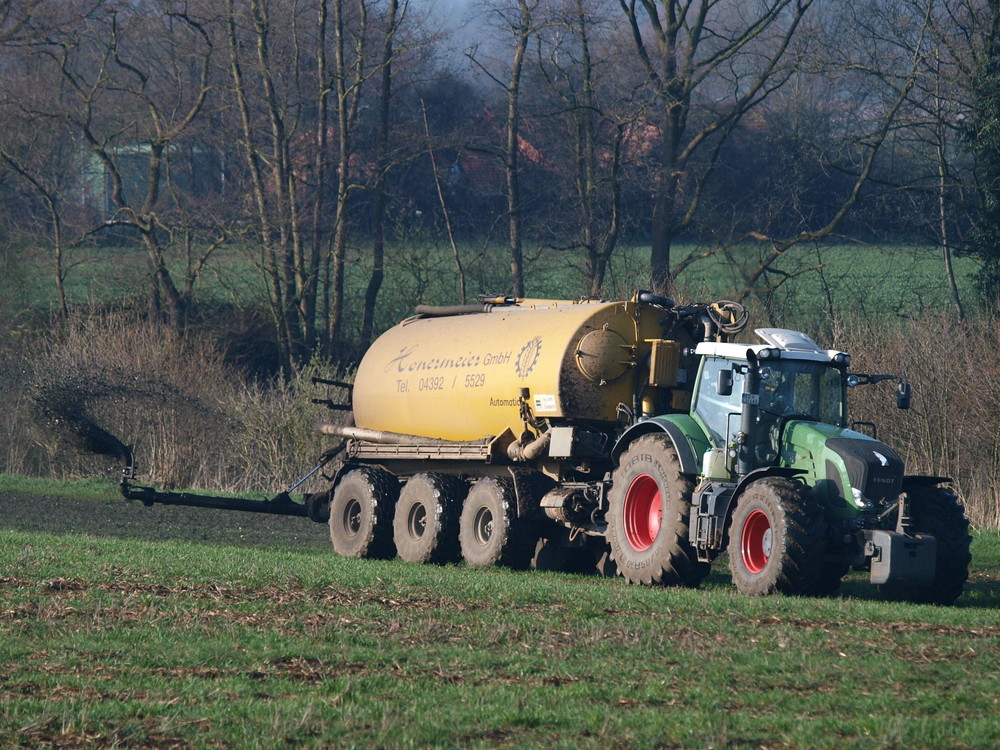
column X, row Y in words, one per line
column 715, row 411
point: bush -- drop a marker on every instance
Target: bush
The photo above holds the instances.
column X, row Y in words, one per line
column 101, row 381
column 953, row 427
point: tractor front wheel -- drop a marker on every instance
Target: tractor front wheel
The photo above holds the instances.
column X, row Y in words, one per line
column 937, row 511
column 777, row 539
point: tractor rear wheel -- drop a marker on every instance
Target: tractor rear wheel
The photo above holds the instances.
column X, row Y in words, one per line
column 937, row 511
column 777, row 539
column 648, row 509
column 489, row 531
column 425, row 527
column 361, row 513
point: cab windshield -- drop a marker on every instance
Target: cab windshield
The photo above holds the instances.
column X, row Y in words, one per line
column 812, row 390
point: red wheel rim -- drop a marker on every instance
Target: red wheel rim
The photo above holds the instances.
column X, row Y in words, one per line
column 643, row 512
column 755, row 541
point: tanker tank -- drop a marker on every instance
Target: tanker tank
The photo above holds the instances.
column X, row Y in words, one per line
column 461, row 377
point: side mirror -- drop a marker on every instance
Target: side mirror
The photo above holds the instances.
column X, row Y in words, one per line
column 903, row 393
column 725, row 384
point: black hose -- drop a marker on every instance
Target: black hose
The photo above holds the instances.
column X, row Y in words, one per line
column 649, row 298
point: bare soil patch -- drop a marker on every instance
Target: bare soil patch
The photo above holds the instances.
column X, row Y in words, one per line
column 132, row 520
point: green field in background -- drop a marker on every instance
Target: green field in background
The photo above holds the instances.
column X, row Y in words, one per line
column 874, row 281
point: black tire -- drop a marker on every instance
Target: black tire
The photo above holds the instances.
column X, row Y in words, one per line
column 489, row 531
column 550, row 556
column 829, row 579
column 361, row 513
column 648, row 509
column 937, row 511
column 425, row 525
column 777, row 540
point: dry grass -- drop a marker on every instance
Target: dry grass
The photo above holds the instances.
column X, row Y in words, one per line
column 953, row 427
column 191, row 420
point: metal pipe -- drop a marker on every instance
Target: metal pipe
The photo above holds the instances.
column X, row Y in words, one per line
column 381, row 436
column 442, row 311
column 280, row 505
column 531, row 451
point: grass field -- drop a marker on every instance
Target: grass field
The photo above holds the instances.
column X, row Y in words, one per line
column 124, row 626
column 880, row 282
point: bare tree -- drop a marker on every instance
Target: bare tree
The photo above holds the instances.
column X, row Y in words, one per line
column 961, row 105
column 39, row 155
column 270, row 95
column 709, row 62
column 517, row 19
column 301, row 95
column 391, row 24
column 924, row 45
column 51, row 195
column 350, row 71
column 119, row 89
column 596, row 131
column 941, row 131
column 443, row 203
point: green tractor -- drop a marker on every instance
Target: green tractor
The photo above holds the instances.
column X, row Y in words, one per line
column 766, row 468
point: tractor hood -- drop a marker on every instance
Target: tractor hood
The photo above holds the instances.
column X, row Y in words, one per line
column 850, row 470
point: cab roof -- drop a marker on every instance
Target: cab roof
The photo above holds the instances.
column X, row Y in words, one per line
column 797, row 345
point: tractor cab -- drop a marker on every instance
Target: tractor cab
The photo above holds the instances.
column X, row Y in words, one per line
column 748, row 395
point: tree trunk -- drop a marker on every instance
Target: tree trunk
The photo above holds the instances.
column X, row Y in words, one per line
column 382, row 165
column 255, row 163
column 310, row 298
column 348, row 94
column 943, row 225
column 511, row 160
column 680, row 46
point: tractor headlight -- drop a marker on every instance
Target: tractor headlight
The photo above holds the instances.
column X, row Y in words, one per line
column 852, row 380
column 769, row 354
column 859, row 500
column 842, row 360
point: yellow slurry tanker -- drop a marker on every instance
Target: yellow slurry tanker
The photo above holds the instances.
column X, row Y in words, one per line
column 634, row 436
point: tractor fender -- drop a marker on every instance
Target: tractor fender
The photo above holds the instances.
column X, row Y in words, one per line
column 724, row 510
column 766, row 471
column 913, row 481
column 683, row 431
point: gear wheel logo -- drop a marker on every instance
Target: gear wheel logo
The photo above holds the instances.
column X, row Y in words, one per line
column 528, row 357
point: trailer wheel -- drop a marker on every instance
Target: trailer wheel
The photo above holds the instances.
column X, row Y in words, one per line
column 777, row 540
column 425, row 527
column 489, row 531
column 937, row 511
column 361, row 513
column 649, row 506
